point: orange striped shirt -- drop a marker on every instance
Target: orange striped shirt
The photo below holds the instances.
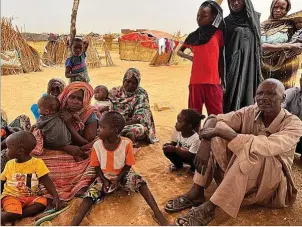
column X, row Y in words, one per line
column 112, row 162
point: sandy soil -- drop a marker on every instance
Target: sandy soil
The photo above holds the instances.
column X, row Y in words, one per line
column 168, row 84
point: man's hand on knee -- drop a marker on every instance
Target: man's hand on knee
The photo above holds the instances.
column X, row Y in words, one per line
column 202, row 157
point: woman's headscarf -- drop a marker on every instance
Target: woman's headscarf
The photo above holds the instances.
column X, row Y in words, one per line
column 204, row 33
column 52, row 82
column 120, row 94
column 272, row 26
column 133, row 72
column 87, row 109
column 289, row 6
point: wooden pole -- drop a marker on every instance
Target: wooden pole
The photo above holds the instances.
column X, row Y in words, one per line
column 219, row 1
column 73, row 20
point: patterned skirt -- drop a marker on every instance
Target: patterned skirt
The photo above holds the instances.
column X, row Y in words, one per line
column 131, row 182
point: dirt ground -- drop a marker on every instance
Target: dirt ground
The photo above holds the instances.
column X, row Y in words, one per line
column 164, row 84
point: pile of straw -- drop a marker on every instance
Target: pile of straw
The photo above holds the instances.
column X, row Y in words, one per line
column 12, row 40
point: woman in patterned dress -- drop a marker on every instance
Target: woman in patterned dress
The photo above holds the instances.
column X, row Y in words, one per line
column 132, row 102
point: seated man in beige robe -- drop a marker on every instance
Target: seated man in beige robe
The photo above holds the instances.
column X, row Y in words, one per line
column 249, row 153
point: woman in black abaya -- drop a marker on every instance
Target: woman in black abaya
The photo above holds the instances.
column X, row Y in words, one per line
column 243, row 54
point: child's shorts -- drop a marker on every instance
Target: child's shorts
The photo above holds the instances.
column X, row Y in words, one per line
column 15, row 205
column 131, row 182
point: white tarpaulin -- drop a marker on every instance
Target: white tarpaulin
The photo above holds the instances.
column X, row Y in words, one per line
column 10, row 60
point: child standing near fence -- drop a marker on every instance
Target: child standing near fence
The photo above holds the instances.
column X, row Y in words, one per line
column 76, row 69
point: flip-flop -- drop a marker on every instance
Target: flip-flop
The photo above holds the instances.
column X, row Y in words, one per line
column 196, row 217
column 179, row 204
column 51, row 215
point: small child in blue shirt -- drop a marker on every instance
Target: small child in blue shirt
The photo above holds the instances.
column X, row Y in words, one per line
column 76, row 69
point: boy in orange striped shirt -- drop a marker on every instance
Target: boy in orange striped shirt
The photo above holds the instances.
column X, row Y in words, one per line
column 112, row 156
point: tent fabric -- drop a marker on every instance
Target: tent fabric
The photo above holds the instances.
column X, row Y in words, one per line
column 159, row 34
column 147, row 38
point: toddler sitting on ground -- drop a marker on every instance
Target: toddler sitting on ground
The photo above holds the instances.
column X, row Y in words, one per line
column 185, row 140
column 20, row 179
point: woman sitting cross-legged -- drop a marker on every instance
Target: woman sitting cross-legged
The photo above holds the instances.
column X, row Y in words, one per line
column 69, row 170
column 132, row 102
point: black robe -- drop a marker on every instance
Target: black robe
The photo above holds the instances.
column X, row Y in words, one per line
column 243, row 54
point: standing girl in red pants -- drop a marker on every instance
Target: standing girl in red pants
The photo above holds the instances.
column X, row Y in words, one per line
column 207, row 45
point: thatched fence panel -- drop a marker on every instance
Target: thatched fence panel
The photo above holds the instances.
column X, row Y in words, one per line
column 12, row 40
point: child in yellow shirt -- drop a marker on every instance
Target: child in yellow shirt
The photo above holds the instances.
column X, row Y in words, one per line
column 20, row 179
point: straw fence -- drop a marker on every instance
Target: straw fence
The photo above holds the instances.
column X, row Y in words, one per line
column 134, row 51
column 93, row 58
column 12, row 41
column 109, row 40
column 115, row 45
column 55, row 52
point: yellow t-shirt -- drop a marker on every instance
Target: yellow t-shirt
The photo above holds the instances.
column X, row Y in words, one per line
column 22, row 178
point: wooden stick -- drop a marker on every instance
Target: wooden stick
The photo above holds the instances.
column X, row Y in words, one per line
column 219, row 1
column 73, row 21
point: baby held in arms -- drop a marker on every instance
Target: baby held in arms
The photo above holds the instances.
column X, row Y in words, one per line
column 54, row 131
